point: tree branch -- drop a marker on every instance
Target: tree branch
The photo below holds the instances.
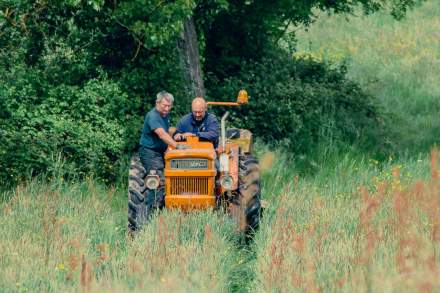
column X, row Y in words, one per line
column 284, row 30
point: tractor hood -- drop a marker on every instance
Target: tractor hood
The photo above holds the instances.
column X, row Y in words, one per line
column 190, row 153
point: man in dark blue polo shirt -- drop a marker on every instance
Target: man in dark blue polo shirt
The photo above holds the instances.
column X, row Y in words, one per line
column 199, row 122
column 154, row 142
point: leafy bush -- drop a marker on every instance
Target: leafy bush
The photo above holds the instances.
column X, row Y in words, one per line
column 78, row 76
column 76, row 84
column 299, row 103
column 86, row 125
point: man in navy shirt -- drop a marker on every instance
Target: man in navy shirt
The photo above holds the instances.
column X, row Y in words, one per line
column 199, row 122
column 154, row 142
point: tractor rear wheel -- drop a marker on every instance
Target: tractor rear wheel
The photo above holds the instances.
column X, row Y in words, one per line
column 246, row 205
column 137, row 192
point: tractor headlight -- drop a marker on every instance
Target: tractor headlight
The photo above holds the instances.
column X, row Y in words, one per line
column 152, row 181
column 226, row 182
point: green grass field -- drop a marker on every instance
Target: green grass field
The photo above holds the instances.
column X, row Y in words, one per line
column 353, row 224
column 396, row 61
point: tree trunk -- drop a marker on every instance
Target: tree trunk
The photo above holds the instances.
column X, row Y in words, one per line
column 190, row 60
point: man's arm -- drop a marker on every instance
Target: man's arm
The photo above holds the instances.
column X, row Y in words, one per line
column 165, row 137
column 182, row 129
column 178, row 134
column 179, row 127
column 211, row 132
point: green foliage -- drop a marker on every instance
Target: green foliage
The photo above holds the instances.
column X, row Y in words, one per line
column 396, row 61
column 247, row 30
column 164, row 20
column 78, row 76
column 300, row 104
column 85, row 125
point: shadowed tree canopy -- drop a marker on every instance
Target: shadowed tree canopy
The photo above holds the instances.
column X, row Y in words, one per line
column 246, row 29
column 114, row 34
column 129, row 27
column 78, row 75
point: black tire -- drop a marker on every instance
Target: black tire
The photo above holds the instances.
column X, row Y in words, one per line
column 246, row 205
column 137, row 191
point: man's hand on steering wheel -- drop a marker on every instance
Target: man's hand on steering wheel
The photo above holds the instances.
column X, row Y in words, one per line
column 178, row 137
column 183, row 136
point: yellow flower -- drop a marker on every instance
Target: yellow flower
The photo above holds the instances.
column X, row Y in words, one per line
column 60, row 266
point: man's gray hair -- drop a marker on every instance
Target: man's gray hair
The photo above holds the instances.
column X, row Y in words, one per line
column 164, row 95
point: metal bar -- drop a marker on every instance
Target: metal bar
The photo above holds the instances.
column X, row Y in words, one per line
column 223, row 130
column 223, row 103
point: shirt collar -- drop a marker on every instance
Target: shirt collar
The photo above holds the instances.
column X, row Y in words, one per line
column 158, row 113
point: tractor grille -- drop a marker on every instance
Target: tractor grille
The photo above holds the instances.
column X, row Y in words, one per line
column 189, row 164
column 189, row 185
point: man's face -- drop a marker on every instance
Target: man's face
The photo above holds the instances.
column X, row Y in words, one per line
column 198, row 110
column 164, row 107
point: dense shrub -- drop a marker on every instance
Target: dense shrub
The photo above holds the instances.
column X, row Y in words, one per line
column 299, row 103
column 74, row 84
column 295, row 103
column 78, row 76
column 91, row 126
column 86, row 125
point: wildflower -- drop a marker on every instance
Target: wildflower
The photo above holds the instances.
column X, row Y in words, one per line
column 60, row 267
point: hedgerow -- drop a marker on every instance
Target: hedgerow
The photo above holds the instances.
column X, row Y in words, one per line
column 300, row 104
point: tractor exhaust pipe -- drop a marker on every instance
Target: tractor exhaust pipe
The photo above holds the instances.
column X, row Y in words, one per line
column 224, row 158
column 223, row 130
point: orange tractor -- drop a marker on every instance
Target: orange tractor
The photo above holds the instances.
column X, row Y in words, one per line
column 201, row 177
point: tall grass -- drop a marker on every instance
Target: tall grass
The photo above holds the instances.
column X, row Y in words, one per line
column 353, row 224
column 368, row 226
column 60, row 237
column 397, row 61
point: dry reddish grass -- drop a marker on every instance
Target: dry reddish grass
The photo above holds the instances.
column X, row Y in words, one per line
column 383, row 236
column 394, row 245
column 66, row 237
